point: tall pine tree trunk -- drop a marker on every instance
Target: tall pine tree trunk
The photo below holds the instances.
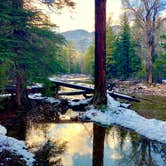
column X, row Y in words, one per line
column 100, row 82
column 100, row 52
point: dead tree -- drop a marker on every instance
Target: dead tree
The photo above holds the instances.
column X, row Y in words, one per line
column 148, row 15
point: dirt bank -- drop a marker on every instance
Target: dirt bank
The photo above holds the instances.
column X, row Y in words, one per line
column 133, row 87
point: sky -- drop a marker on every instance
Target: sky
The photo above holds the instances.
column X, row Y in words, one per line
column 82, row 17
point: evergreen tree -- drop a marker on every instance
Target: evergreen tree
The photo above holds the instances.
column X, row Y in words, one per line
column 135, row 65
column 110, row 37
column 32, row 52
column 127, row 63
column 122, row 58
column 160, row 65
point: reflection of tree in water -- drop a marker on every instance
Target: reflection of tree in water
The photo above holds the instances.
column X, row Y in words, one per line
column 47, row 150
column 143, row 151
column 122, row 135
column 131, row 149
column 98, row 145
column 161, row 149
column 49, row 154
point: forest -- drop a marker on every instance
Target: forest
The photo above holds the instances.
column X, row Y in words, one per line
column 26, row 36
column 127, row 49
column 40, row 127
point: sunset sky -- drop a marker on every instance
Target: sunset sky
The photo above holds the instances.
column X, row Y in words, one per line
column 82, row 17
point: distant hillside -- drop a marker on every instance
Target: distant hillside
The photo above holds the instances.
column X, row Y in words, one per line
column 82, row 39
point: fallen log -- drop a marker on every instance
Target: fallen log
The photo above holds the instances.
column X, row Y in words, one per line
column 88, row 90
column 112, row 94
column 121, row 96
column 83, row 92
column 74, row 86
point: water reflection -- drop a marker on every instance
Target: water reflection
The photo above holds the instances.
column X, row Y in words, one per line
column 98, row 145
column 72, row 145
column 78, row 139
column 48, row 154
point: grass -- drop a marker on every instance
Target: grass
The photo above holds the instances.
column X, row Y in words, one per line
column 153, row 107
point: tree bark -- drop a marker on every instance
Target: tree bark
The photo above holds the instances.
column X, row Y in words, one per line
column 150, row 64
column 100, row 52
column 151, row 51
column 18, row 89
column 100, row 82
column 21, row 92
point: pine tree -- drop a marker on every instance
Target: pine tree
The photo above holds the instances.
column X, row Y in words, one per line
column 160, row 65
column 110, row 37
column 127, row 63
column 32, row 52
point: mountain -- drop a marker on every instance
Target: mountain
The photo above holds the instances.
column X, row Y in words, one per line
column 82, row 39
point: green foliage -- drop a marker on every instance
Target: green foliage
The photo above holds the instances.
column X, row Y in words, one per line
column 103, row 108
column 135, row 64
column 121, row 59
column 126, row 62
column 88, row 60
column 72, row 58
column 30, row 52
column 164, row 44
column 49, row 88
column 110, row 38
column 159, row 66
column 44, row 54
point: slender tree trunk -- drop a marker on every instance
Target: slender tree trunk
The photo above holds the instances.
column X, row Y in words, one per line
column 150, row 64
column 18, row 89
column 150, row 39
column 100, row 52
column 21, row 92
